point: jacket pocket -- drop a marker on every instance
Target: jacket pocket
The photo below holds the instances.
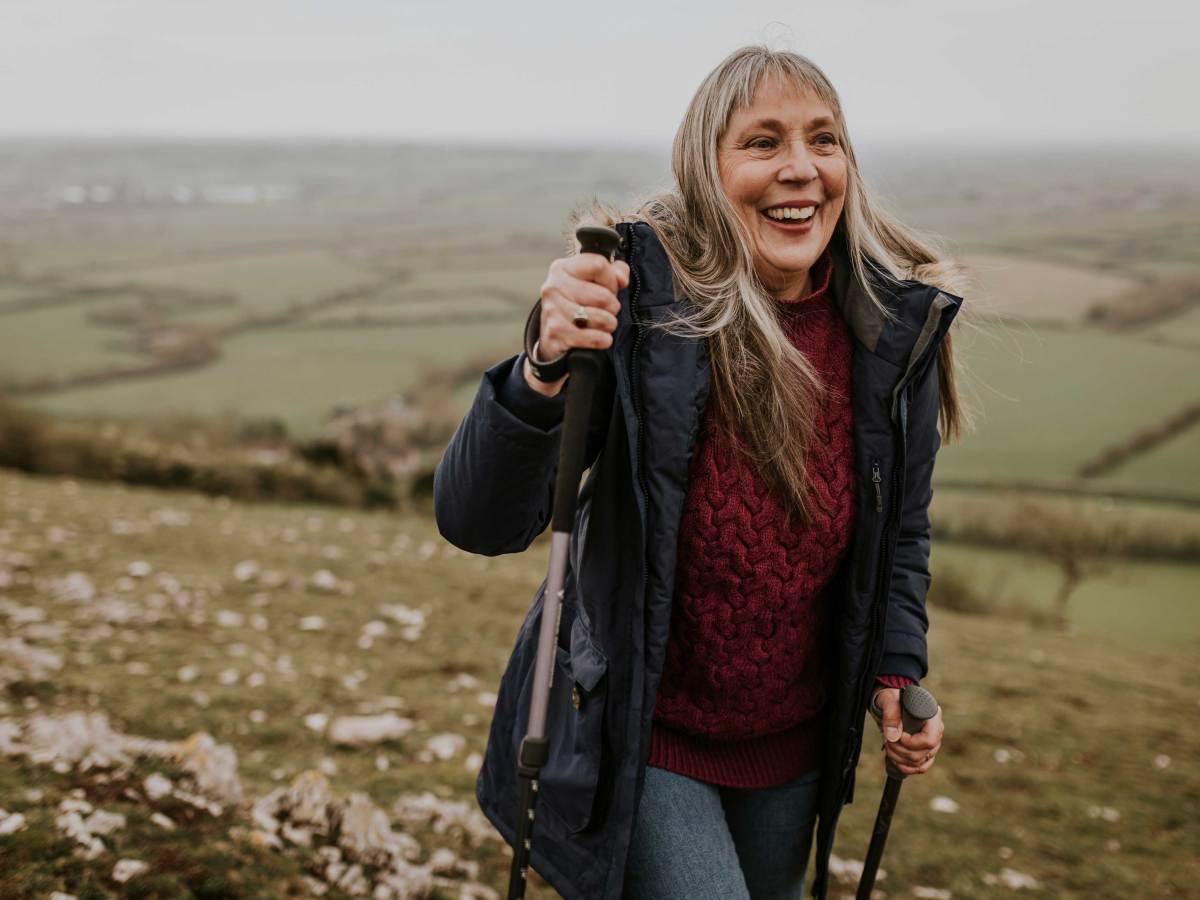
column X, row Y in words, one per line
column 567, row 784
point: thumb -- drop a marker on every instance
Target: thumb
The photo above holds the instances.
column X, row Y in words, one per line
column 889, row 703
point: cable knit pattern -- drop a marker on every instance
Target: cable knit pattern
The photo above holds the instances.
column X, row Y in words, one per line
column 747, row 667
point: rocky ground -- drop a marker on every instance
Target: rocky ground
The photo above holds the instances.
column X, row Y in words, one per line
column 200, row 698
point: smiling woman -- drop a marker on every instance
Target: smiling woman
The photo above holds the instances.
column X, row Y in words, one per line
column 783, row 169
column 755, row 515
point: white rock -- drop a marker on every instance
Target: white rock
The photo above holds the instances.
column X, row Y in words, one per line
column 126, row 869
column 463, row 681
column 229, row 677
column 412, row 620
column 59, row 895
column 443, row 861
column 850, row 870
column 943, row 804
column 328, row 766
column 157, row 786
column 446, row 746
column 1107, row 813
column 1162, row 761
column 366, row 832
column 930, row 893
column 213, row 766
column 486, row 698
column 76, row 587
column 139, row 569
column 1012, row 879
column 361, row 731
column 21, row 662
column 104, row 822
column 307, row 801
column 324, row 580
column 418, row 811
column 473, row 762
column 10, row 823
column 475, row 891
column 227, row 618
column 316, row 721
column 312, row 623
column 162, row 821
column 375, row 628
column 1001, row 755
column 246, row 570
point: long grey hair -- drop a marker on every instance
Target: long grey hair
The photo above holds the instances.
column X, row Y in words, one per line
column 764, row 390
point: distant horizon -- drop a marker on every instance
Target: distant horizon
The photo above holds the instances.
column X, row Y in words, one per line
column 532, row 144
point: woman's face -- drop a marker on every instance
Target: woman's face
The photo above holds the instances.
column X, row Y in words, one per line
column 780, row 156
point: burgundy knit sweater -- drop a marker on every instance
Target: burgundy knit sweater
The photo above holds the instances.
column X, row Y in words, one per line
column 748, row 664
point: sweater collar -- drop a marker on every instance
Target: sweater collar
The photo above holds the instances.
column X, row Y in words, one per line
column 821, row 271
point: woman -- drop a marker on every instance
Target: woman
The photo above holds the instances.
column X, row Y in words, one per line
column 750, row 558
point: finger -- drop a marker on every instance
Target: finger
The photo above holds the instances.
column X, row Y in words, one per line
column 622, row 270
column 920, row 741
column 912, row 758
column 595, row 268
column 560, row 334
column 569, row 296
column 573, row 292
column 918, row 769
column 599, row 319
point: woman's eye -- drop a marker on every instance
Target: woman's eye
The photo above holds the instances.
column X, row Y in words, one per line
column 761, row 143
column 827, row 137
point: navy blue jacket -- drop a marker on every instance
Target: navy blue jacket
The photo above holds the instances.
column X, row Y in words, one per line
column 492, row 494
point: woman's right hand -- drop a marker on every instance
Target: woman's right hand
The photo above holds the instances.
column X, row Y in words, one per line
column 587, row 280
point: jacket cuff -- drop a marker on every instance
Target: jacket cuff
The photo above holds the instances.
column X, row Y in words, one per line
column 893, row 681
column 902, row 665
column 532, row 408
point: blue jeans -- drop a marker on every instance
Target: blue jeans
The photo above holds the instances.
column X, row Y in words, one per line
column 697, row 840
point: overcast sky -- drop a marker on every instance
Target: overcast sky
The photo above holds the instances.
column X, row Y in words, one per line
column 1023, row 71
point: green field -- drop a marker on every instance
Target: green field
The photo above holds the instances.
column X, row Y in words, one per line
column 1051, row 400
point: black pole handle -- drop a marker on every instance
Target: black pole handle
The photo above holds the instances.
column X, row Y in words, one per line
column 584, row 366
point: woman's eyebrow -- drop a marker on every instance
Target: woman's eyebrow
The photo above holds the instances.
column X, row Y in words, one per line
column 776, row 125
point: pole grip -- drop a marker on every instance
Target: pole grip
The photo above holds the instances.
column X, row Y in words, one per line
column 917, row 706
column 584, row 366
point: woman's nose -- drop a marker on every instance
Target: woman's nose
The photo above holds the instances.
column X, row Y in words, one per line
column 797, row 164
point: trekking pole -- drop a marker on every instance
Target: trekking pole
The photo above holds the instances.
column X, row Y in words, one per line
column 916, row 707
column 584, row 366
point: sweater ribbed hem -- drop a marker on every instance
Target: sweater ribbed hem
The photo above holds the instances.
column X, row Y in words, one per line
column 763, row 762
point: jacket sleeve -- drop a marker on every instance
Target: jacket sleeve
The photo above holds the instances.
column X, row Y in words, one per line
column 493, row 487
column 904, row 648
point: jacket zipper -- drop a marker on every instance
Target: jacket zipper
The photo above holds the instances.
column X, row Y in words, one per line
column 635, row 290
column 877, row 479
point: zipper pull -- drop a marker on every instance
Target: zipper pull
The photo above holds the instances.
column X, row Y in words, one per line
column 877, row 478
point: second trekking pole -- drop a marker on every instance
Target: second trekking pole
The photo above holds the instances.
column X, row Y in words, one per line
column 584, row 366
column 916, row 707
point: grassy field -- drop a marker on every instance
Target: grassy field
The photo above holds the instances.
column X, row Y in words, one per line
column 1047, row 731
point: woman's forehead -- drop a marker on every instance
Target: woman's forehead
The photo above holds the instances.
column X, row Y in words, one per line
column 782, row 101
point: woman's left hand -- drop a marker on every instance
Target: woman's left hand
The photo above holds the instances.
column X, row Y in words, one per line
column 912, row 754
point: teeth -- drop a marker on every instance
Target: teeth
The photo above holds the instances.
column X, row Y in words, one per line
column 792, row 212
